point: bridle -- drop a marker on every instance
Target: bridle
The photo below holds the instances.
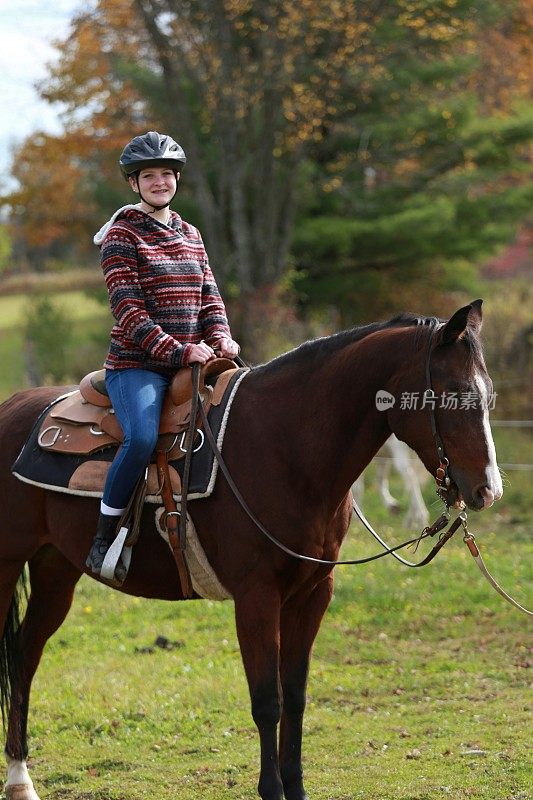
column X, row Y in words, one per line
column 442, row 477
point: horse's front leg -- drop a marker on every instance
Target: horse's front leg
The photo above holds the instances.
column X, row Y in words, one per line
column 300, row 621
column 257, row 616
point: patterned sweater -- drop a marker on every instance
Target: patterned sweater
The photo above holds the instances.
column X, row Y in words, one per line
column 161, row 289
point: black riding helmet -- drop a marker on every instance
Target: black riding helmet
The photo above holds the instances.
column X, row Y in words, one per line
column 151, row 150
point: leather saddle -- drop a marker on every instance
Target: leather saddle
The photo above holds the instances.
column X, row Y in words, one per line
column 84, row 422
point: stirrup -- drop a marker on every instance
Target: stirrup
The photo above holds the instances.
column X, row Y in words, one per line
column 117, row 560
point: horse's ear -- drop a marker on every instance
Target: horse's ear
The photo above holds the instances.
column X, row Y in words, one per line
column 467, row 317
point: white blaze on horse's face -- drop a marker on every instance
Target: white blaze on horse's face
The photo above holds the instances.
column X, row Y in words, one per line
column 492, row 473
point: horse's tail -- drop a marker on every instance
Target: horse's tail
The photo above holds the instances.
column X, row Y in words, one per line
column 10, row 652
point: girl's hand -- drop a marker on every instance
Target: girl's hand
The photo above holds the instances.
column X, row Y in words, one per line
column 201, row 353
column 227, row 348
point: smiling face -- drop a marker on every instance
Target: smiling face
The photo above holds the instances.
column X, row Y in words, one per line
column 157, row 186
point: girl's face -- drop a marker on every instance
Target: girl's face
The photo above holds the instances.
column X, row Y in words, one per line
column 157, row 185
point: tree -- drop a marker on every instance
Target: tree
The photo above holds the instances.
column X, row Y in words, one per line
column 51, row 174
column 47, row 336
column 255, row 83
column 234, row 79
column 414, row 185
column 68, row 183
column 350, row 121
column 505, row 54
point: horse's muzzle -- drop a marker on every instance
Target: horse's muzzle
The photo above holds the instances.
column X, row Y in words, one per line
column 483, row 496
column 486, row 496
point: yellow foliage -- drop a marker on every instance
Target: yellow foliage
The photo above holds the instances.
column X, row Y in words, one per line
column 506, row 59
column 240, row 57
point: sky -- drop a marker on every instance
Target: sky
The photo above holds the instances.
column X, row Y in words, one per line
column 27, row 28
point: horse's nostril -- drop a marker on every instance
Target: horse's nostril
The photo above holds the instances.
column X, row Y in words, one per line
column 486, row 495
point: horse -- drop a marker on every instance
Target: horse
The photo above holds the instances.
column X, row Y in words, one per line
column 413, row 476
column 302, row 428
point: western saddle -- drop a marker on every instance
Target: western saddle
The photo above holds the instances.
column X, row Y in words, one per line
column 84, row 422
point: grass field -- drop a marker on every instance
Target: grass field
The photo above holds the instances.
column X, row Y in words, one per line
column 86, row 316
column 418, row 689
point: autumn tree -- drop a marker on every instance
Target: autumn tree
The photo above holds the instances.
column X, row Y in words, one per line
column 345, row 122
column 67, row 183
column 53, row 194
column 253, row 83
column 504, row 52
column 244, row 87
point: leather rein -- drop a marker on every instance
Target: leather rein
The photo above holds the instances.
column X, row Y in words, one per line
column 442, row 479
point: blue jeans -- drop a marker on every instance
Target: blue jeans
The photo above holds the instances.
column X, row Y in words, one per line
column 137, row 397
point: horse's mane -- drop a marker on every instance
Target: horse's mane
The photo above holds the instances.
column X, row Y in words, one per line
column 325, row 346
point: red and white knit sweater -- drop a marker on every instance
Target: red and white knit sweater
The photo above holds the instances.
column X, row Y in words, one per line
column 162, row 292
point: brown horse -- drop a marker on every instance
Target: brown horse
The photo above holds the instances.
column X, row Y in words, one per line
column 302, row 428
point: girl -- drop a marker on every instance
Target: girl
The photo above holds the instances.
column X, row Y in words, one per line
column 168, row 313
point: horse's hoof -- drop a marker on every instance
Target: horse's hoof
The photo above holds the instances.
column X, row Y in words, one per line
column 21, row 791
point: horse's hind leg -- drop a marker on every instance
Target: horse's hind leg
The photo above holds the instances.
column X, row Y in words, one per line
column 10, row 572
column 52, row 581
column 300, row 621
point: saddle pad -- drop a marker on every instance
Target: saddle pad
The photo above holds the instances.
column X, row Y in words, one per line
column 84, row 475
column 203, row 578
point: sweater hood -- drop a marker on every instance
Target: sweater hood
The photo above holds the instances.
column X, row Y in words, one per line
column 123, row 212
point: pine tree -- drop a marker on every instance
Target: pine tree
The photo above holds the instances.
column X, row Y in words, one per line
column 411, row 187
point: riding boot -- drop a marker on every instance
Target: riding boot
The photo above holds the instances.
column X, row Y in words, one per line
column 106, row 532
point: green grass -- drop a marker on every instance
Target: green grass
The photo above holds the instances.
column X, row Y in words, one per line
column 418, row 689
column 419, row 680
column 78, row 305
column 91, row 322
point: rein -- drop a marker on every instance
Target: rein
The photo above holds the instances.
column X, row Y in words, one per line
column 470, row 542
column 442, row 479
column 440, row 523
